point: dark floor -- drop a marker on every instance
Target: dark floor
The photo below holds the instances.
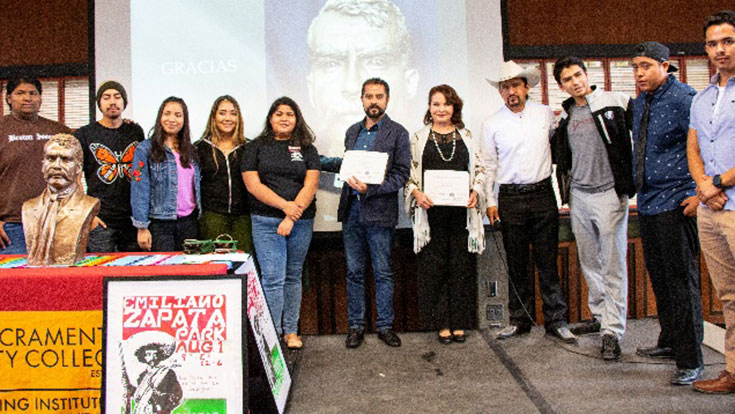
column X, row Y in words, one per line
column 529, row 374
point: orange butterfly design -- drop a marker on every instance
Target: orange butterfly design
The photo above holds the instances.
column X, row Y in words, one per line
column 113, row 164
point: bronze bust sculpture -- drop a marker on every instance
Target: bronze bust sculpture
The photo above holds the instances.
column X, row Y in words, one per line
column 57, row 222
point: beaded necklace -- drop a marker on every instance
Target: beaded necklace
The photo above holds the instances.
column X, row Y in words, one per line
column 454, row 146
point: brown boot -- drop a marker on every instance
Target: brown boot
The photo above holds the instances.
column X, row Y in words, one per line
column 723, row 384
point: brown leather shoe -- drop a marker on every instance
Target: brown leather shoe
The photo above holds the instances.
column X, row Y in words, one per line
column 723, row 384
column 292, row 341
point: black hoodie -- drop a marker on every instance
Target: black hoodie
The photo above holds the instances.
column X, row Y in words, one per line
column 223, row 190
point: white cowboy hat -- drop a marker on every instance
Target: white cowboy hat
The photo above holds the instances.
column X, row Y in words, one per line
column 510, row 70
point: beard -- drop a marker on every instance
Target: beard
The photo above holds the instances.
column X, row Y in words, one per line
column 113, row 115
column 374, row 114
column 514, row 100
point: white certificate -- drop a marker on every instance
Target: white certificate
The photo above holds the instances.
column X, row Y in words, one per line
column 367, row 166
column 447, row 187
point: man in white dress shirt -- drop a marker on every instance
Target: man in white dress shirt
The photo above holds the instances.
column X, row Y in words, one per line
column 519, row 160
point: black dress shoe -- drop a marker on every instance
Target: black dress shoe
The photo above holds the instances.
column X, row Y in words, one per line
column 586, row 327
column 444, row 340
column 563, row 333
column 685, row 376
column 610, row 348
column 389, row 337
column 354, row 337
column 512, row 330
column 656, row 352
column 459, row 338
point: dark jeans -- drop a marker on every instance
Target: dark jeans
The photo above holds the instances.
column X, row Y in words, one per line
column 532, row 218
column 670, row 249
column 447, row 273
column 117, row 237
column 169, row 235
column 361, row 239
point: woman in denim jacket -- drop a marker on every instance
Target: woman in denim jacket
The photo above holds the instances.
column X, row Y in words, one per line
column 165, row 192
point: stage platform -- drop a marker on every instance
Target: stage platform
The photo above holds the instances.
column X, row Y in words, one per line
column 529, row 374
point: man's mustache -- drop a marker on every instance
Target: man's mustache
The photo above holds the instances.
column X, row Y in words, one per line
column 51, row 172
column 510, row 97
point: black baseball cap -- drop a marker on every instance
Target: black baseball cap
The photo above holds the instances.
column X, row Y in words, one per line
column 655, row 51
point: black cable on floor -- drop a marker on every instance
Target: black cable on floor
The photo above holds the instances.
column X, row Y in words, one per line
column 515, row 371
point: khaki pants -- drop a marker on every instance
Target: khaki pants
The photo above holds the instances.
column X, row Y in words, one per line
column 717, row 240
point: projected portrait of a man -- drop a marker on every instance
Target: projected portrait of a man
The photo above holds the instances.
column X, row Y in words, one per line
column 350, row 41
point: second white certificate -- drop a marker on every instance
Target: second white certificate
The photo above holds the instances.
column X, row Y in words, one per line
column 447, row 187
column 366, row 166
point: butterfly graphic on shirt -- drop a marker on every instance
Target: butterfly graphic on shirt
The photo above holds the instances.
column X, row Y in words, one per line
column 113, row 164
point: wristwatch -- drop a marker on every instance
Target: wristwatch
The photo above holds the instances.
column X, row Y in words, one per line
column 717, row 181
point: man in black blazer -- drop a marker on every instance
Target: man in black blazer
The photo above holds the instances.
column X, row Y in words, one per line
column 369, row 213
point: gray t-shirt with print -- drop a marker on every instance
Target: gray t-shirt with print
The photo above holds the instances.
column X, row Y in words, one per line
column 591, row 170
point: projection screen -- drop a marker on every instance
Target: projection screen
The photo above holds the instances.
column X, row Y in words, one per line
column 316, row 52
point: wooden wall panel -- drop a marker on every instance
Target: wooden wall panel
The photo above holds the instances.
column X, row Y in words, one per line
column 44, row 33
column 57, row 32
column 324, row 308
column 540, row 22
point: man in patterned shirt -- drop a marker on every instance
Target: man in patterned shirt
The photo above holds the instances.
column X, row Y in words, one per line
column 667, row 207
column 109, row 145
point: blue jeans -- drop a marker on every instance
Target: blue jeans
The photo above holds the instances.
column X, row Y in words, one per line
column 17, row 239
column 281, row 261
column 358, row 238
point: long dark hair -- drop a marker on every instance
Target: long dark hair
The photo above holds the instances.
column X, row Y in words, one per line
column 211, row 132
column 302, row 134
column 450, row 95
column 158, row 137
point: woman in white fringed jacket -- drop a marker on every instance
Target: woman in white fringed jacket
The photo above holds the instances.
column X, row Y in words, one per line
column 446, row 238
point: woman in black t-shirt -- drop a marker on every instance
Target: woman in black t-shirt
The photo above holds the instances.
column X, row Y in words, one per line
column 281, row 172
column 224, row 198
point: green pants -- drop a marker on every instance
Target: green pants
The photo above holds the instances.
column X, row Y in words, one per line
column 213, row 224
